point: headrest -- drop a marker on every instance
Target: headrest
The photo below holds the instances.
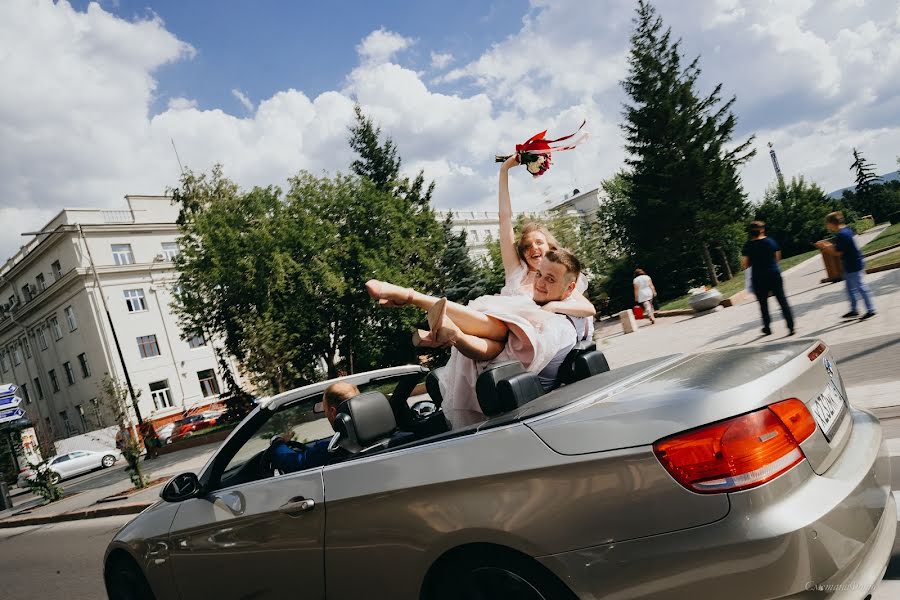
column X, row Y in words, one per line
column 365, row 420
column 567, row 371
column 590, row 364
column 433, row 385
column 506, row 386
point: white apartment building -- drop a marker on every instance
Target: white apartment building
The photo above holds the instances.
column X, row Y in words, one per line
column 481, row 227
column 582, row 204
column 56, row 342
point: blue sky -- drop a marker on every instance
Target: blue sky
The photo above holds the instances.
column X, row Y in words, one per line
column 267, row 89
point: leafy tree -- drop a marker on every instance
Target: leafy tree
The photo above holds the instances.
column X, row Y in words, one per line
column 684, row 189
column 795, row 215
column 114, row 396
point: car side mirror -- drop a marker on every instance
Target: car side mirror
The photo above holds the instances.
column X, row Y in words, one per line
column 181, row 487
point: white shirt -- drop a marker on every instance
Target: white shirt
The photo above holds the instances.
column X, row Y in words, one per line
column 644, row 291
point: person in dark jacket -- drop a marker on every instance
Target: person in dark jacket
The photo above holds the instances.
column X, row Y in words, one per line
column 842, row 245
column 289, row 457
column 763, row 254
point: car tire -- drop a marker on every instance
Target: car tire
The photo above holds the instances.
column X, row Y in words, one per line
column 54, row 478
column 488, row 574
column 124, row 581
column 108, row 461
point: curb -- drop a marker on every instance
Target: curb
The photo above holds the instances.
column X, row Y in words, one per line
column 77, row 515
column 886, row 267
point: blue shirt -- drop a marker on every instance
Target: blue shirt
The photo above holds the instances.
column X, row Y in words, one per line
column 761, row 255
column 288, row 460
column 851, row 257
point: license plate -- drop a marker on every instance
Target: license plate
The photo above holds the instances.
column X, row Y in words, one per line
column 828, row 409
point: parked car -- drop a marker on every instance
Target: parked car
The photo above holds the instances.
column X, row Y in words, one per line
column 742, row 472
column 73, row 463
column 165, row 432
column 190, row 425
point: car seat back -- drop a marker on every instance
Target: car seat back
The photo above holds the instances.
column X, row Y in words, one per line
column 506, row 386
column 364, row 421
column 582, row 361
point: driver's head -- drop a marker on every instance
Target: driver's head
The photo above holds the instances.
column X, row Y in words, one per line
column 555, row 277
column 334, row 395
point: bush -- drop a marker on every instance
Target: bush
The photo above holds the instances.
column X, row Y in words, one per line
column 42, row 484
column 895, row 218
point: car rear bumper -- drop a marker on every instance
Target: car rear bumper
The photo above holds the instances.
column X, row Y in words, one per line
column 799, row 536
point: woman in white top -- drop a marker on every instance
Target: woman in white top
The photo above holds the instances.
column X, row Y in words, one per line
column 644, row 291
column 520, row 258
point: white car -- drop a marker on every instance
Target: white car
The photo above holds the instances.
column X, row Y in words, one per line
column 74, row 463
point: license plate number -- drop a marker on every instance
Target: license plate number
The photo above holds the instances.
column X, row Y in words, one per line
column 828, row 409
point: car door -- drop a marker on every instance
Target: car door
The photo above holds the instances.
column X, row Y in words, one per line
column 255, row 535
column 82, row 462
column 61, row 465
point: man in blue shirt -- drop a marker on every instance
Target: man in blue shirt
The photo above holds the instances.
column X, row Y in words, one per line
column 288, row 457
column 762, row 254
column 852, row 260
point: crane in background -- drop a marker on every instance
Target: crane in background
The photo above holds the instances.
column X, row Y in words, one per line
column 775, row 164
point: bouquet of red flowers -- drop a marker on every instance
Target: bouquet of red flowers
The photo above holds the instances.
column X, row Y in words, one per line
column 535, row 152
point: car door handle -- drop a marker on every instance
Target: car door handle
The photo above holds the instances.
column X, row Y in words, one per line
column 297, row 505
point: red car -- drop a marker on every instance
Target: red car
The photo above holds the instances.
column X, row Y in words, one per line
column 190, row 425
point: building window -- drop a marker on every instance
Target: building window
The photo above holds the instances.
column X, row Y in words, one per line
column 122, row 254
column 3, row 364
column 208, row 384
column 38, row 388
column 70, row 318
column 42, row 338
column 474, row 235
column 134, row 300
column 41, row 284
column 487, row 235
column 26, row 292
column 25, row 395
column 64, row 417
column 85, row 367
column 159, row 391
column 80, row 410
column 49, row 426
column 170, row 250
column 26, row 345
column 95, row 404
column 17, row 354
column 57, row 270
column 54, row 382
column 70, row 374
column 55, row 328
column 197, row 341
column 147, row 346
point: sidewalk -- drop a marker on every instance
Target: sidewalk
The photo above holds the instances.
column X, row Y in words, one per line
column 84, row 504
column 872, row 345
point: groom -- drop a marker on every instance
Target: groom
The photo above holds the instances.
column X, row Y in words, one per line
column 479, row 338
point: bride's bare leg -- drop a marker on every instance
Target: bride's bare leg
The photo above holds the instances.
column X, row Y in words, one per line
column 469, row 321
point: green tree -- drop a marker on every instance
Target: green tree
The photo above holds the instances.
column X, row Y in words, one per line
column 863, row 173
column 684, row 189
column 795, row 215
column 460, row 278
column 114, row 396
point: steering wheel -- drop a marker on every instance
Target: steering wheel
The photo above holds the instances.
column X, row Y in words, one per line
column 423, row 409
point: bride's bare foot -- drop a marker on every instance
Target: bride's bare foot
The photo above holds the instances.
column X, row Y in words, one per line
column 389, row 294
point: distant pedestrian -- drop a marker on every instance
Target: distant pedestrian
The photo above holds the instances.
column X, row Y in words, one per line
column 763, row 254
column 644, row 292
column 842, row 245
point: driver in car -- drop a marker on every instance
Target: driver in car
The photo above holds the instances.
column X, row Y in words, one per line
column 289, row 456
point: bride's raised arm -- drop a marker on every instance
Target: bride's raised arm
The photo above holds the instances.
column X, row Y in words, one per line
column 508, row 251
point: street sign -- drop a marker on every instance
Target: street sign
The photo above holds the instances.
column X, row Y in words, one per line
column 11, row 414
column 9, row 402
column 8, row 389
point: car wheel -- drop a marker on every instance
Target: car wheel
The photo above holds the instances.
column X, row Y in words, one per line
column 124, row 581
column 481, row 575
column 54, row 478
column 108, row 461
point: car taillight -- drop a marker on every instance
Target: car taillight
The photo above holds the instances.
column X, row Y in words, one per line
column 739, row 453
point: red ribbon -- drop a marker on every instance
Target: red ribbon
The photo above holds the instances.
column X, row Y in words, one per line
column 536, row 144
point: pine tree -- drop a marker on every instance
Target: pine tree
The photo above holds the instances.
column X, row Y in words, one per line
column 865, row 173
column 683, row 182
column 377, row 161
column 461, row 279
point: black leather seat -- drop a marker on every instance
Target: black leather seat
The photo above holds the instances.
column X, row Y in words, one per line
column 433, row 386
column 365, row 421
column 583, row 361
column 506, row 386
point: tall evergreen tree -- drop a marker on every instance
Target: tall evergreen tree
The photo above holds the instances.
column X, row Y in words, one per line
column 684, row 188
column 378, row 161
column 461, row 280
column 864, row 173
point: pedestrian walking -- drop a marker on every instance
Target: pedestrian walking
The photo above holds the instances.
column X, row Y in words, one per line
column 644, row 292
column 763, row 254
column 842, row 245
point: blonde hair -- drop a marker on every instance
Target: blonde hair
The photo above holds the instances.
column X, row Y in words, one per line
column 534, row 227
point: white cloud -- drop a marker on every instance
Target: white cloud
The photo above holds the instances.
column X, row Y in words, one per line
column 243, row 99
column 815, row 78
column 381, row 45
column 440, row 61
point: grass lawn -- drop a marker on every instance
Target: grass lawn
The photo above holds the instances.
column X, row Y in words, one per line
column 884, row 258
column 888, row 237
column 736, row 283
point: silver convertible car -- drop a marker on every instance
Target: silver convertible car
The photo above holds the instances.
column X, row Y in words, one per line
column 739, row 473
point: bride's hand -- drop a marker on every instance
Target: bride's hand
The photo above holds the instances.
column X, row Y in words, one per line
column 512, row 161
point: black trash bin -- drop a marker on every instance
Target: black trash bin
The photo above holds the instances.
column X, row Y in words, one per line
column 5, row 499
